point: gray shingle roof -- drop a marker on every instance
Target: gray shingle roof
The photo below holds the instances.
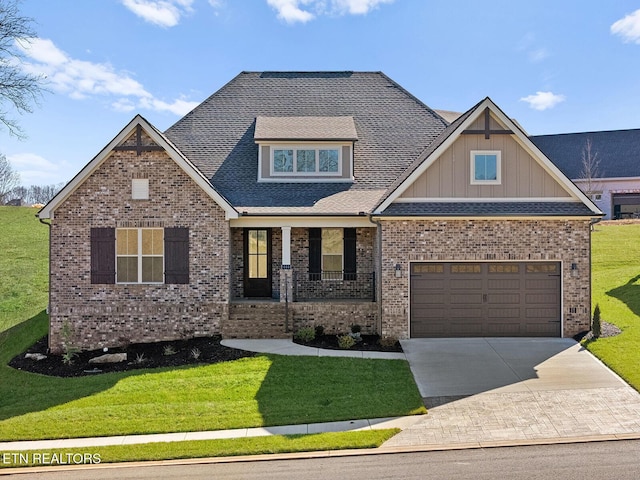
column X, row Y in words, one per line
column 305, row 128
column 392, row 126
column 490, row 209
column 617, row 150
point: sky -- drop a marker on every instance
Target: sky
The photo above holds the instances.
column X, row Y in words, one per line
column 555, row 66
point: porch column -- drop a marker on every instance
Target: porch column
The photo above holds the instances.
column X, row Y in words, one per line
column 286, row 278
column 286, row 247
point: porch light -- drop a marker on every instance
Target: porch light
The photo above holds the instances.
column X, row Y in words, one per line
column 398, row 270
column 574, row 269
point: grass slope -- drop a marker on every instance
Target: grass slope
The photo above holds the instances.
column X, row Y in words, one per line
column 24, row 254
column 616, row 288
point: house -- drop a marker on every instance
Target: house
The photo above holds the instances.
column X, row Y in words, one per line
column 318, row 198
column 611, row 178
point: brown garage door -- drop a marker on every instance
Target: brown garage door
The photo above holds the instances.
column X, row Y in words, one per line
column 516, row 299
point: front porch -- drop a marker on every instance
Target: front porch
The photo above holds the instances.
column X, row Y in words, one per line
column 284, row 278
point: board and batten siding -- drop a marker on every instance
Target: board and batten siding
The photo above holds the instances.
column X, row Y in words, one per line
column 450, row 175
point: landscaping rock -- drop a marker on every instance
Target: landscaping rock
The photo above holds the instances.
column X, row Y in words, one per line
column 109, row 358
column 35, row 356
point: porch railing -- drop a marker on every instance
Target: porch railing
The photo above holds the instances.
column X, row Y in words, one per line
column 334, row 286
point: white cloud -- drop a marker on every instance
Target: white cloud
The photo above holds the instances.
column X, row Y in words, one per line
column 164, row 13
column 292, row 11
column 543, row 100
column 628, row 27
column 538, row 55
column 80, row 79
column 37, row 170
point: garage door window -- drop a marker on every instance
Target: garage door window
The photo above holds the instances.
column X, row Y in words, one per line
column 466, row 268
column 542, row 268
column 504, row 268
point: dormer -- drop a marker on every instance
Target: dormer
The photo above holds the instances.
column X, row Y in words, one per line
column 305, row 149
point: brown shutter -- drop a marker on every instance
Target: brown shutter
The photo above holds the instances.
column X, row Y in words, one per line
column 349, row 236
column 103, row 255
column 176, row 255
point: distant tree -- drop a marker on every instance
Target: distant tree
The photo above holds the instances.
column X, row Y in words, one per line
column 590, row 169
column 9, row 179
column 19, row 90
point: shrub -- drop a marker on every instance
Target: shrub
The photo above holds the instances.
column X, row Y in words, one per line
column 319, row 331
column 305, row 334
column 140, row 358
column 388, row 342
column 596, row 327
column 346, row 342
column 356, row 328
column 168, row 350
column 195, row 353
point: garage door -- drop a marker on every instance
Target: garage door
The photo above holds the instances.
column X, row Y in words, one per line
column 516, row 299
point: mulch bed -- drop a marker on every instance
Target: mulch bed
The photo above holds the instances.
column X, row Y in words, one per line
column 367, row 343
column 139, row 355
column 606, row 330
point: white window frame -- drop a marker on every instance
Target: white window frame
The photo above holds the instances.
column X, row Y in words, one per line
column 498, row 154
column 295, row 148
column 140, row 256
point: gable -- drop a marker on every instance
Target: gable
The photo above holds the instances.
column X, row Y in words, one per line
column 521, row 176
column 515, row 172
column 138, row 137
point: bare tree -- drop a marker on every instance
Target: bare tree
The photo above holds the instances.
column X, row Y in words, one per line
column 19, row 90
column 590, row 169
column 9, row 178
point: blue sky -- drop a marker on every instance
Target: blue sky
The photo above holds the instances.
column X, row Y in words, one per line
column 555, row 66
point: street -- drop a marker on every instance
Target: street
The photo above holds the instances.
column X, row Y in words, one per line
column 598, row 460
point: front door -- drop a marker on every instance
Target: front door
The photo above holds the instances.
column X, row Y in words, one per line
column 257, row 262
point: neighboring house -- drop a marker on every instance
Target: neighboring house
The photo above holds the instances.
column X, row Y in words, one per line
column 614, row 183
column 318, row 198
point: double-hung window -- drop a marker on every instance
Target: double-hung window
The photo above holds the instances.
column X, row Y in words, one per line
column 485, row 167
column 306, row 160
column 139, row 255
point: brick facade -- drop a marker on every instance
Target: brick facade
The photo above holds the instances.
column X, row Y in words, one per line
column 566, row 241
column 102, row 315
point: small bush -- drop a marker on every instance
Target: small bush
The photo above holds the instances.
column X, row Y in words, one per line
column 319, row 331
column 346, row 342
column 69, row 355
column 596, row 327
column 305, row 334
column 356, row 328
column 388, row 342
column 195, row 353
column 168, row 350
column 140, row 358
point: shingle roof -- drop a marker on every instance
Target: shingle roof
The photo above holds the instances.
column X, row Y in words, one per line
column 392, row 126
column 618, row 152
column 489, row 209
column 305, row 128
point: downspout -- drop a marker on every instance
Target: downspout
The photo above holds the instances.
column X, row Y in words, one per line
column 48, row 274
column 378, row 261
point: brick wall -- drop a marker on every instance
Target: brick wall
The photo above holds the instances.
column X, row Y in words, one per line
column 108, row 315
column 567, row 241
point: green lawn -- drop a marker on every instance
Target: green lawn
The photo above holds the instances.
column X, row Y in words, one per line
column 616, row 288
column 24, row 253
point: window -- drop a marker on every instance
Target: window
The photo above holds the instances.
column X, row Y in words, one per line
column 257, row 253
column 485, row 167
column 596, row 196
column 139, row 255
column 140, row 189
column 332, row 254
column 306, row 160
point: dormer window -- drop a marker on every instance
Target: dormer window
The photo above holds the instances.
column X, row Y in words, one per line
column 305, row 149
column 306, row 160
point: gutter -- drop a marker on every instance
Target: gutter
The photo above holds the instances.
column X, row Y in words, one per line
column 378, row 285
column 48, row 268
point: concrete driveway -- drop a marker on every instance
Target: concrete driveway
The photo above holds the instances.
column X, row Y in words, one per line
column 515, row 390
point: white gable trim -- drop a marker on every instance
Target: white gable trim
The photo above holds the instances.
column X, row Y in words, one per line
column 49, row 209
column 521, row 137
